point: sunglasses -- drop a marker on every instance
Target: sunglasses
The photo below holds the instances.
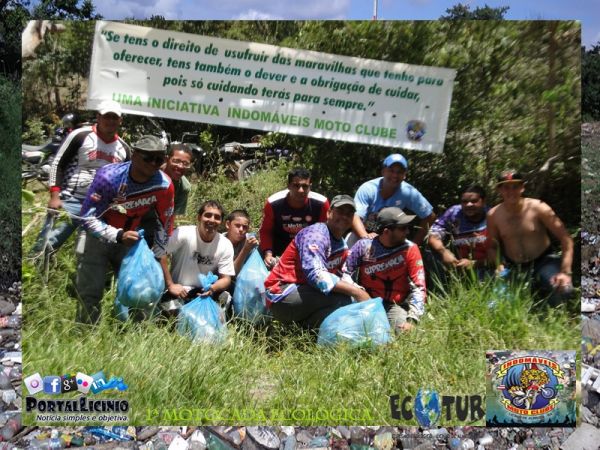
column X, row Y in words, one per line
column 304, row 186
column 180, row 163
column 151, row 157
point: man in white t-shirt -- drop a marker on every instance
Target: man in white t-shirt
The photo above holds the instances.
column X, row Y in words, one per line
column 196, row 250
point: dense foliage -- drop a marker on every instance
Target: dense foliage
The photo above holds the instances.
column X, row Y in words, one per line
column 516, row 100
column 10, row 222
column 590, row 81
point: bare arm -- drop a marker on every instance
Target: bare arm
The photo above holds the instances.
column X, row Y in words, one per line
column 492, row 240
column 175, row 289
column 359, row 228
column 556, row 227
column 447, row 256
column 424, row 225
column 244, row 252
column 343, row 287
column 218, row 286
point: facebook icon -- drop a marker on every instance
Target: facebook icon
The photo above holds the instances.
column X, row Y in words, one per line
column 51, row 385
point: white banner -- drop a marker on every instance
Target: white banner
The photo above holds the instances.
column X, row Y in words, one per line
column 249, row 85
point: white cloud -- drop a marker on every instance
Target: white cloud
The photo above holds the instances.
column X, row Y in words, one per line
column 224, row 9
column 259, row 9
column 139, row 9
column 252, row 14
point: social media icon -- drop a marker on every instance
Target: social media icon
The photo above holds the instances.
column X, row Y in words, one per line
column 51, row 385
column 34, row 383
column 99, row 382
column 68, row 383
column 84, row 382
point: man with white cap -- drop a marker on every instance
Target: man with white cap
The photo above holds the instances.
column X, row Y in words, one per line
column 390, row 266
column 83, row 152
column 386, row 191
column 306, row 284
column 119, row 197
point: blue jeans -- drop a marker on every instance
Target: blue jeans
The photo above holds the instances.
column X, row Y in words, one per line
column 92, row 270
column 540, row 271
column 58, row 235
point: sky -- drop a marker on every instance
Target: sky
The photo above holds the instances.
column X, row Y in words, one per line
column 587, row 11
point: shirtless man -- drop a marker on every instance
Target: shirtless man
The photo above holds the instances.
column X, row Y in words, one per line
column 522, row 226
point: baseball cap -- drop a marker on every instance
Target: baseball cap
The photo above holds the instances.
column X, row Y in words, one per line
column 510, row 176
column 395, row 158
column 109, row 106
column 149, row 143
column 341, row 200
column 392, row 216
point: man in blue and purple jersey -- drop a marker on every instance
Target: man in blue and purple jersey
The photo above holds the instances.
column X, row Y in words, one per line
column 306, row 285
column 459, row 235
column 120, row 195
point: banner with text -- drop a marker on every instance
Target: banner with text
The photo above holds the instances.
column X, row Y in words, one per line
column 249, row 85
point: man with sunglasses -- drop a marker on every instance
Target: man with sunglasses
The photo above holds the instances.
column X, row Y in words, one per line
column 287, row 212
column 83, row 152
column 179, row 160
column 390, row 266
column 519, row 231
column 120, row 195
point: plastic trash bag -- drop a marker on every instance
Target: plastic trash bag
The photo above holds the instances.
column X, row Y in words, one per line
column 202, row 320
column 206, row 281
column 358, row 324
column 249, row 294
column 140, row 282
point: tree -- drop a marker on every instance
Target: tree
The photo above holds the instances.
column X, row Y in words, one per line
column 463, row 12
column 14, row 17
column 65, row 10
column 590, row 81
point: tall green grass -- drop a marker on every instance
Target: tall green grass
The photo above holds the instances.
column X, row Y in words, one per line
column 275, row 375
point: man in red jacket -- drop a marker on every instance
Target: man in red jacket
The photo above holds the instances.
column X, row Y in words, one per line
column 289, row 211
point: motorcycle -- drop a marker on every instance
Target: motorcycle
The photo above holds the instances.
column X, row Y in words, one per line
column 238, row 160
column 36, row 160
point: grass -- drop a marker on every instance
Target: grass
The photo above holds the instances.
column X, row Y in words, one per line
column 272, row 375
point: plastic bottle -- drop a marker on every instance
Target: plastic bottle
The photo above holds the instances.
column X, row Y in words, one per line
column 500, row 291
column 10, row 428
column 10, row 322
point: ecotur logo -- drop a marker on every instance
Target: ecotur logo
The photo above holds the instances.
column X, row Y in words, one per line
column 79, row 382
column 428, row 407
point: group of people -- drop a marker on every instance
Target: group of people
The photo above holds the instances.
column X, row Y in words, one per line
column 320, row 255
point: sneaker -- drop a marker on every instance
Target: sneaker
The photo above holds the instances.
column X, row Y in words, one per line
column 589, row 305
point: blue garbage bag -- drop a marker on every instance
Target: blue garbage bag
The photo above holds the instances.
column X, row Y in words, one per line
column 249, row 294
column 358, row 324
column 206, row 281
column 202, row 320
column 140, row 282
